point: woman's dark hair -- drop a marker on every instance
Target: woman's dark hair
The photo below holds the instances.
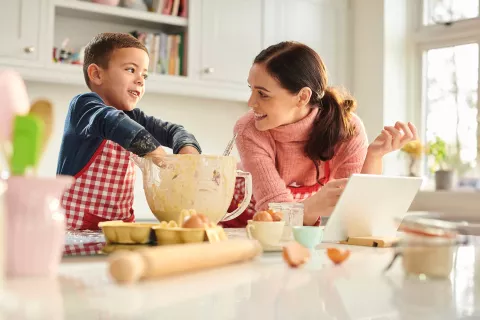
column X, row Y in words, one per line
column 296, row 66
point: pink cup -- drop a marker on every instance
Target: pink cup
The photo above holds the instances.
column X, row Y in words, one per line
column 35, row 225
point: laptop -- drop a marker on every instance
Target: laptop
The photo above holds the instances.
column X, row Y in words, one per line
column 371, row 205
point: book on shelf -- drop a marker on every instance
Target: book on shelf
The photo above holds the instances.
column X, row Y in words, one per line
column 166, row 51
column 171, row 7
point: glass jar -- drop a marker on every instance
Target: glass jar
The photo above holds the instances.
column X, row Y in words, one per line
column 428, row 256
column 428, row 247
column 292, row 214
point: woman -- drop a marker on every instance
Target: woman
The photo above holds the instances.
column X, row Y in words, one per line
column 301, row 140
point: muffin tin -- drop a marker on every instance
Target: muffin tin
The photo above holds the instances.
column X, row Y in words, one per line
column 127, row 233
column 164, row 233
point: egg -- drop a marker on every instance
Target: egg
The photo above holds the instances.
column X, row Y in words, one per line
column 204, row 218
column 277, row 216
column 262, row 216
column 194, row 221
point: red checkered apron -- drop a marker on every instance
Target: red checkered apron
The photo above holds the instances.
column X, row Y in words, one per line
column 299, row 194
column 103, row 189
column 83, row 249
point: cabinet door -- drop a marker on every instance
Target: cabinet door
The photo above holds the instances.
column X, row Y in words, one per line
column 320, row 24
column 231, row 38
column 19, row 21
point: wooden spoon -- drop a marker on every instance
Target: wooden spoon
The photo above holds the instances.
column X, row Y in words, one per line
column 43, row 109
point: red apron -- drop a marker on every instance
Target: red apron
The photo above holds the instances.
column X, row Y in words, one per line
column 103, row 189
column 83, row 249
column 299, row 194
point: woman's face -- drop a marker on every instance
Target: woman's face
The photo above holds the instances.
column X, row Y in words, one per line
column 274, row 106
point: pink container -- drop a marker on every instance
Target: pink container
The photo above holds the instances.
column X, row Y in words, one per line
column 35, row 225
column 107, row 2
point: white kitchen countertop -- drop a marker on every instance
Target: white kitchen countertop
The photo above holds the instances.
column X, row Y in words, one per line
column 263, row 289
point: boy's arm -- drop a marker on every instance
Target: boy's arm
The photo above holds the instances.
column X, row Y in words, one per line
column 169, row 134
column 92, row 118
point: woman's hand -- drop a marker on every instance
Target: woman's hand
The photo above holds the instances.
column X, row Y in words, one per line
column 392, row 139
column 323, row 202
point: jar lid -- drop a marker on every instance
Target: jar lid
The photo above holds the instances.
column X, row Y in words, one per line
column 429, row 227
column 287, row 204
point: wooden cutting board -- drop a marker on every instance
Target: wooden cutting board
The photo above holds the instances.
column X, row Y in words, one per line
column 371, row 241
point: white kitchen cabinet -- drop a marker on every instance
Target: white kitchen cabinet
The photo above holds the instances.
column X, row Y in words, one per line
column 223, row 38
column 19, row 22
column 231, row 37
column 320, row 24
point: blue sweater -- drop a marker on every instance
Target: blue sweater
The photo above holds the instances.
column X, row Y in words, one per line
column 89, row 121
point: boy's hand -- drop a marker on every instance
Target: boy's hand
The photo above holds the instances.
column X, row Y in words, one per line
column 188, row 150
column 157, row 156
column 157, row 153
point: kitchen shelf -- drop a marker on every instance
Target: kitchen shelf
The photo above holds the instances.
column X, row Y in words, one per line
column 58, row 73
column 118, row 15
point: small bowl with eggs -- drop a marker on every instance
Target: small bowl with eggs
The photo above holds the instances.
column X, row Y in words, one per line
column 266, row 227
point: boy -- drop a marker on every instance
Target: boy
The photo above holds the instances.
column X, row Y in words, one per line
column 103, row 128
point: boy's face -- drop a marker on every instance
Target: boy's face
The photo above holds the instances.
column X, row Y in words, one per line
column 123, row 82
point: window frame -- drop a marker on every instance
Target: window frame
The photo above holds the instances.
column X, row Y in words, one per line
column 436, row 36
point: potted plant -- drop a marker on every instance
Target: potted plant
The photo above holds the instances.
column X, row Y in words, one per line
column 414, row 151
column 438, row 150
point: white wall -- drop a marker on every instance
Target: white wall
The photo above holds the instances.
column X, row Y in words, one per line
column 211, row 121
column 381, row 68
column 368, row 63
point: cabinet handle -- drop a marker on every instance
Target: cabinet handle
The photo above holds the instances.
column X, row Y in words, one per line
column 29, row 49
column 208, row 70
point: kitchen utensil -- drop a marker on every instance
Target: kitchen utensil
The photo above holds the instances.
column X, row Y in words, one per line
column 308, row 236
column 371, row 241
column 427, row 247
column 35, row 225
column 3, row 229
column 43, row 109
column 134, row 233
column 120, row 232
column 176, row 235
column 268, row 233
column 27, row 143
column 112, row 3
column 204, row 183
column 292, row 214
column 229, row 147
column 13, row 101
column 179, row 235
column 131, row 266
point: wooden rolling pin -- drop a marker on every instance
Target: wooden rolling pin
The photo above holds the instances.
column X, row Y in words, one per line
column 131, row 266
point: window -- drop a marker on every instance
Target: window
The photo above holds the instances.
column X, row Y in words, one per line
column 450, row 79
column 447, row 11
column 451, row 99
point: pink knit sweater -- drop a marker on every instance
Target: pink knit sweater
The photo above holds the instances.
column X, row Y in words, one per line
column 276, row 158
